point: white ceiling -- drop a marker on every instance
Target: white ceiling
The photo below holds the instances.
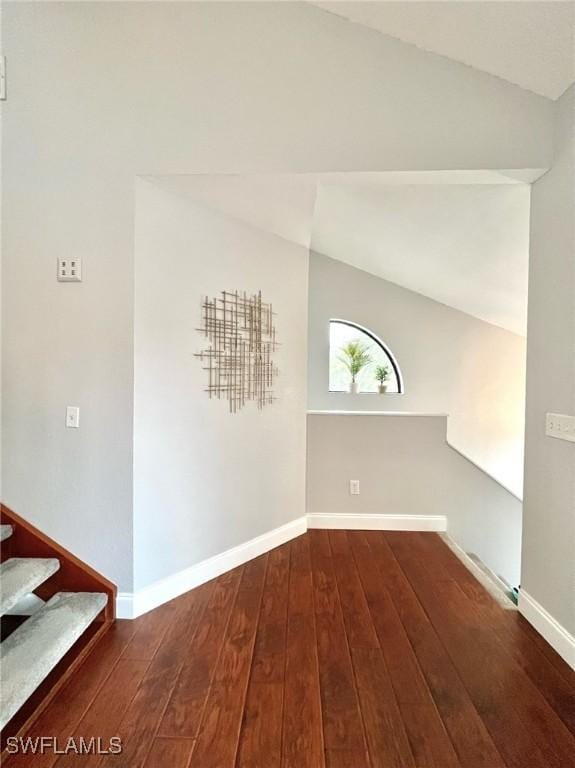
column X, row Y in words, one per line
column 464, row 245
column 457, row 237
column 282, row 204
column 530, row 44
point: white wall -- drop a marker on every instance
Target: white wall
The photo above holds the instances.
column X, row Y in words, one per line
column 102, row 92
column 451, row 363
column 405, row 467
column 548, row 573
column 206, row 480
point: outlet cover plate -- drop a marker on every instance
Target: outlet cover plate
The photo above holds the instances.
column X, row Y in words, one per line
column 560, row 426
column 70, row 270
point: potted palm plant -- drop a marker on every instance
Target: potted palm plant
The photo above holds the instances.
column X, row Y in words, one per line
column 382, row 375
column 354, row 357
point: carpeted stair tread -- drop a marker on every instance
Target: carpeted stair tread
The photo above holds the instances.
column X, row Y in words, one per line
column 5, row 532
column 27, row 605
column 21, row 575
column 33, row 650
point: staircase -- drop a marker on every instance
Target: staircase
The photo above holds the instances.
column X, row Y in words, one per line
column 53, row 610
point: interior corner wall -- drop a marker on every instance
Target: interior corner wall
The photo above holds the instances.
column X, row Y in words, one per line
column 451, row 363
column 206, row 480
column 125, row 89
column 548, row 563
column 406, row 469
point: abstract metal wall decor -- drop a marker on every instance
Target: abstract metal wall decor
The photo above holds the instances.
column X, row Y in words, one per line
column 242, row 337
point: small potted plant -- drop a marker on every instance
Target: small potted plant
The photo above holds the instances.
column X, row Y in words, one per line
column 354, row 357
column 382, row 375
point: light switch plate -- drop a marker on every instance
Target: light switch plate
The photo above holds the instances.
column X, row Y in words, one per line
column 354, row 487
column 70, row 270
column 72, row 417
column 2, row 78
column 561, row 426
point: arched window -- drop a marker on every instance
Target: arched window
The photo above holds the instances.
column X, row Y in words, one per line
column 359, row 361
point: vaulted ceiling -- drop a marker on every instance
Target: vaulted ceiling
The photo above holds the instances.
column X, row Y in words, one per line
column 460, row 238
column 530, row 44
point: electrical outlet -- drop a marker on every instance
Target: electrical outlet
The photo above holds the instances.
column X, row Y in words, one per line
column 560, row 426
column 73, row 417
column 354, row 487
column 70, row 270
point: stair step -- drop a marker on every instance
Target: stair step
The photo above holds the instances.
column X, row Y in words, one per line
column 29, row 654
column 21, row 575
column 5, row 532
column 27, row 605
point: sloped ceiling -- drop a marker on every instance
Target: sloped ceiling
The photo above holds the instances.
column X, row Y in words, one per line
column 463, row 245
column 456, row 237
column 282, row 204
column 530, row 44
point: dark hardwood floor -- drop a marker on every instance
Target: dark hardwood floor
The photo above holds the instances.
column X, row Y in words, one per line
column 338, row 650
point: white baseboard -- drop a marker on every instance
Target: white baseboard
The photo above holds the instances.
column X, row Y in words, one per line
column 130, row 605
column 496, row 587
column 555, row 634
column 378, row 522
column 125, row 606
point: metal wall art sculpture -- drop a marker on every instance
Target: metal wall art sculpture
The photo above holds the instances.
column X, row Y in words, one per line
column 242, row 337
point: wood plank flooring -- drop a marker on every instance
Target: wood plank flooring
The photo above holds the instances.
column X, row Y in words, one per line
column 340, row 649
